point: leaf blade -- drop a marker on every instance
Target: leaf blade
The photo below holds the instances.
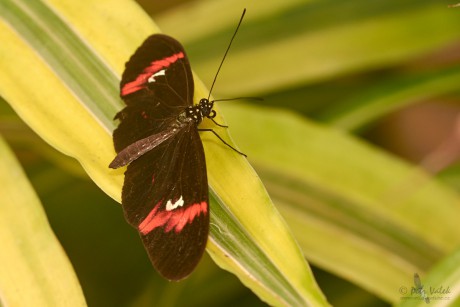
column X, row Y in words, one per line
column 35, row 270
column 348, row 204
column 92, row 145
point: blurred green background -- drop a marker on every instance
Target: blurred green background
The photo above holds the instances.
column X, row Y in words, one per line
column 383, row 73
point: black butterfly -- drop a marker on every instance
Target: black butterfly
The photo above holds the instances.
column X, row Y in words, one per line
column 165, row 192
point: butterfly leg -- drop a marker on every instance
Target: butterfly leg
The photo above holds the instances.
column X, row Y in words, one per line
column 210, row 130
column 224, row 126
column 211, row 116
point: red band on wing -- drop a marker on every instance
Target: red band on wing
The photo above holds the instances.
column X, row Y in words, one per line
column 154, row 67
column 174, row 219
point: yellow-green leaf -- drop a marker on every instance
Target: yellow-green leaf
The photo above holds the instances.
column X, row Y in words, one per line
column 69, row 96
column 345, row 200
column 35, row 270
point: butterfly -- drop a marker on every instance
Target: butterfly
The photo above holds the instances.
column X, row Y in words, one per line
column 165, row 191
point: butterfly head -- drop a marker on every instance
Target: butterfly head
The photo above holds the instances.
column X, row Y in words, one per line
column 206, row 108
column 200, row 111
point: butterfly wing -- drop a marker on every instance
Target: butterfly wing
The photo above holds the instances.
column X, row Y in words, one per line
column 156, row 86
column 165, row 196
column 165, row 192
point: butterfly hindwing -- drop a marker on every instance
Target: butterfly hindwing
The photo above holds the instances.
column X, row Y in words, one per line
column 172, row 216
column 165, row 192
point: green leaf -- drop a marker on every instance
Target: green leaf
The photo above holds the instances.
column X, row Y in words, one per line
column 35, row 270
column 345, row 200
column 355, row 210
column 306, row 42
column 441, row 285
column 68, row 96
column 391, row 95
column 41, row 98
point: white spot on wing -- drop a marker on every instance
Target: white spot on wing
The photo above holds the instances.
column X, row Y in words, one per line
column 178, row 203
column 158, row 73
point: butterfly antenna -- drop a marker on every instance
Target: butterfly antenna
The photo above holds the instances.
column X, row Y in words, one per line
column 240, row 98
column 225, row 54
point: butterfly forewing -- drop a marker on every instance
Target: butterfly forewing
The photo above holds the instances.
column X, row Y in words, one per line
column 157, row 85
column 165, row 192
